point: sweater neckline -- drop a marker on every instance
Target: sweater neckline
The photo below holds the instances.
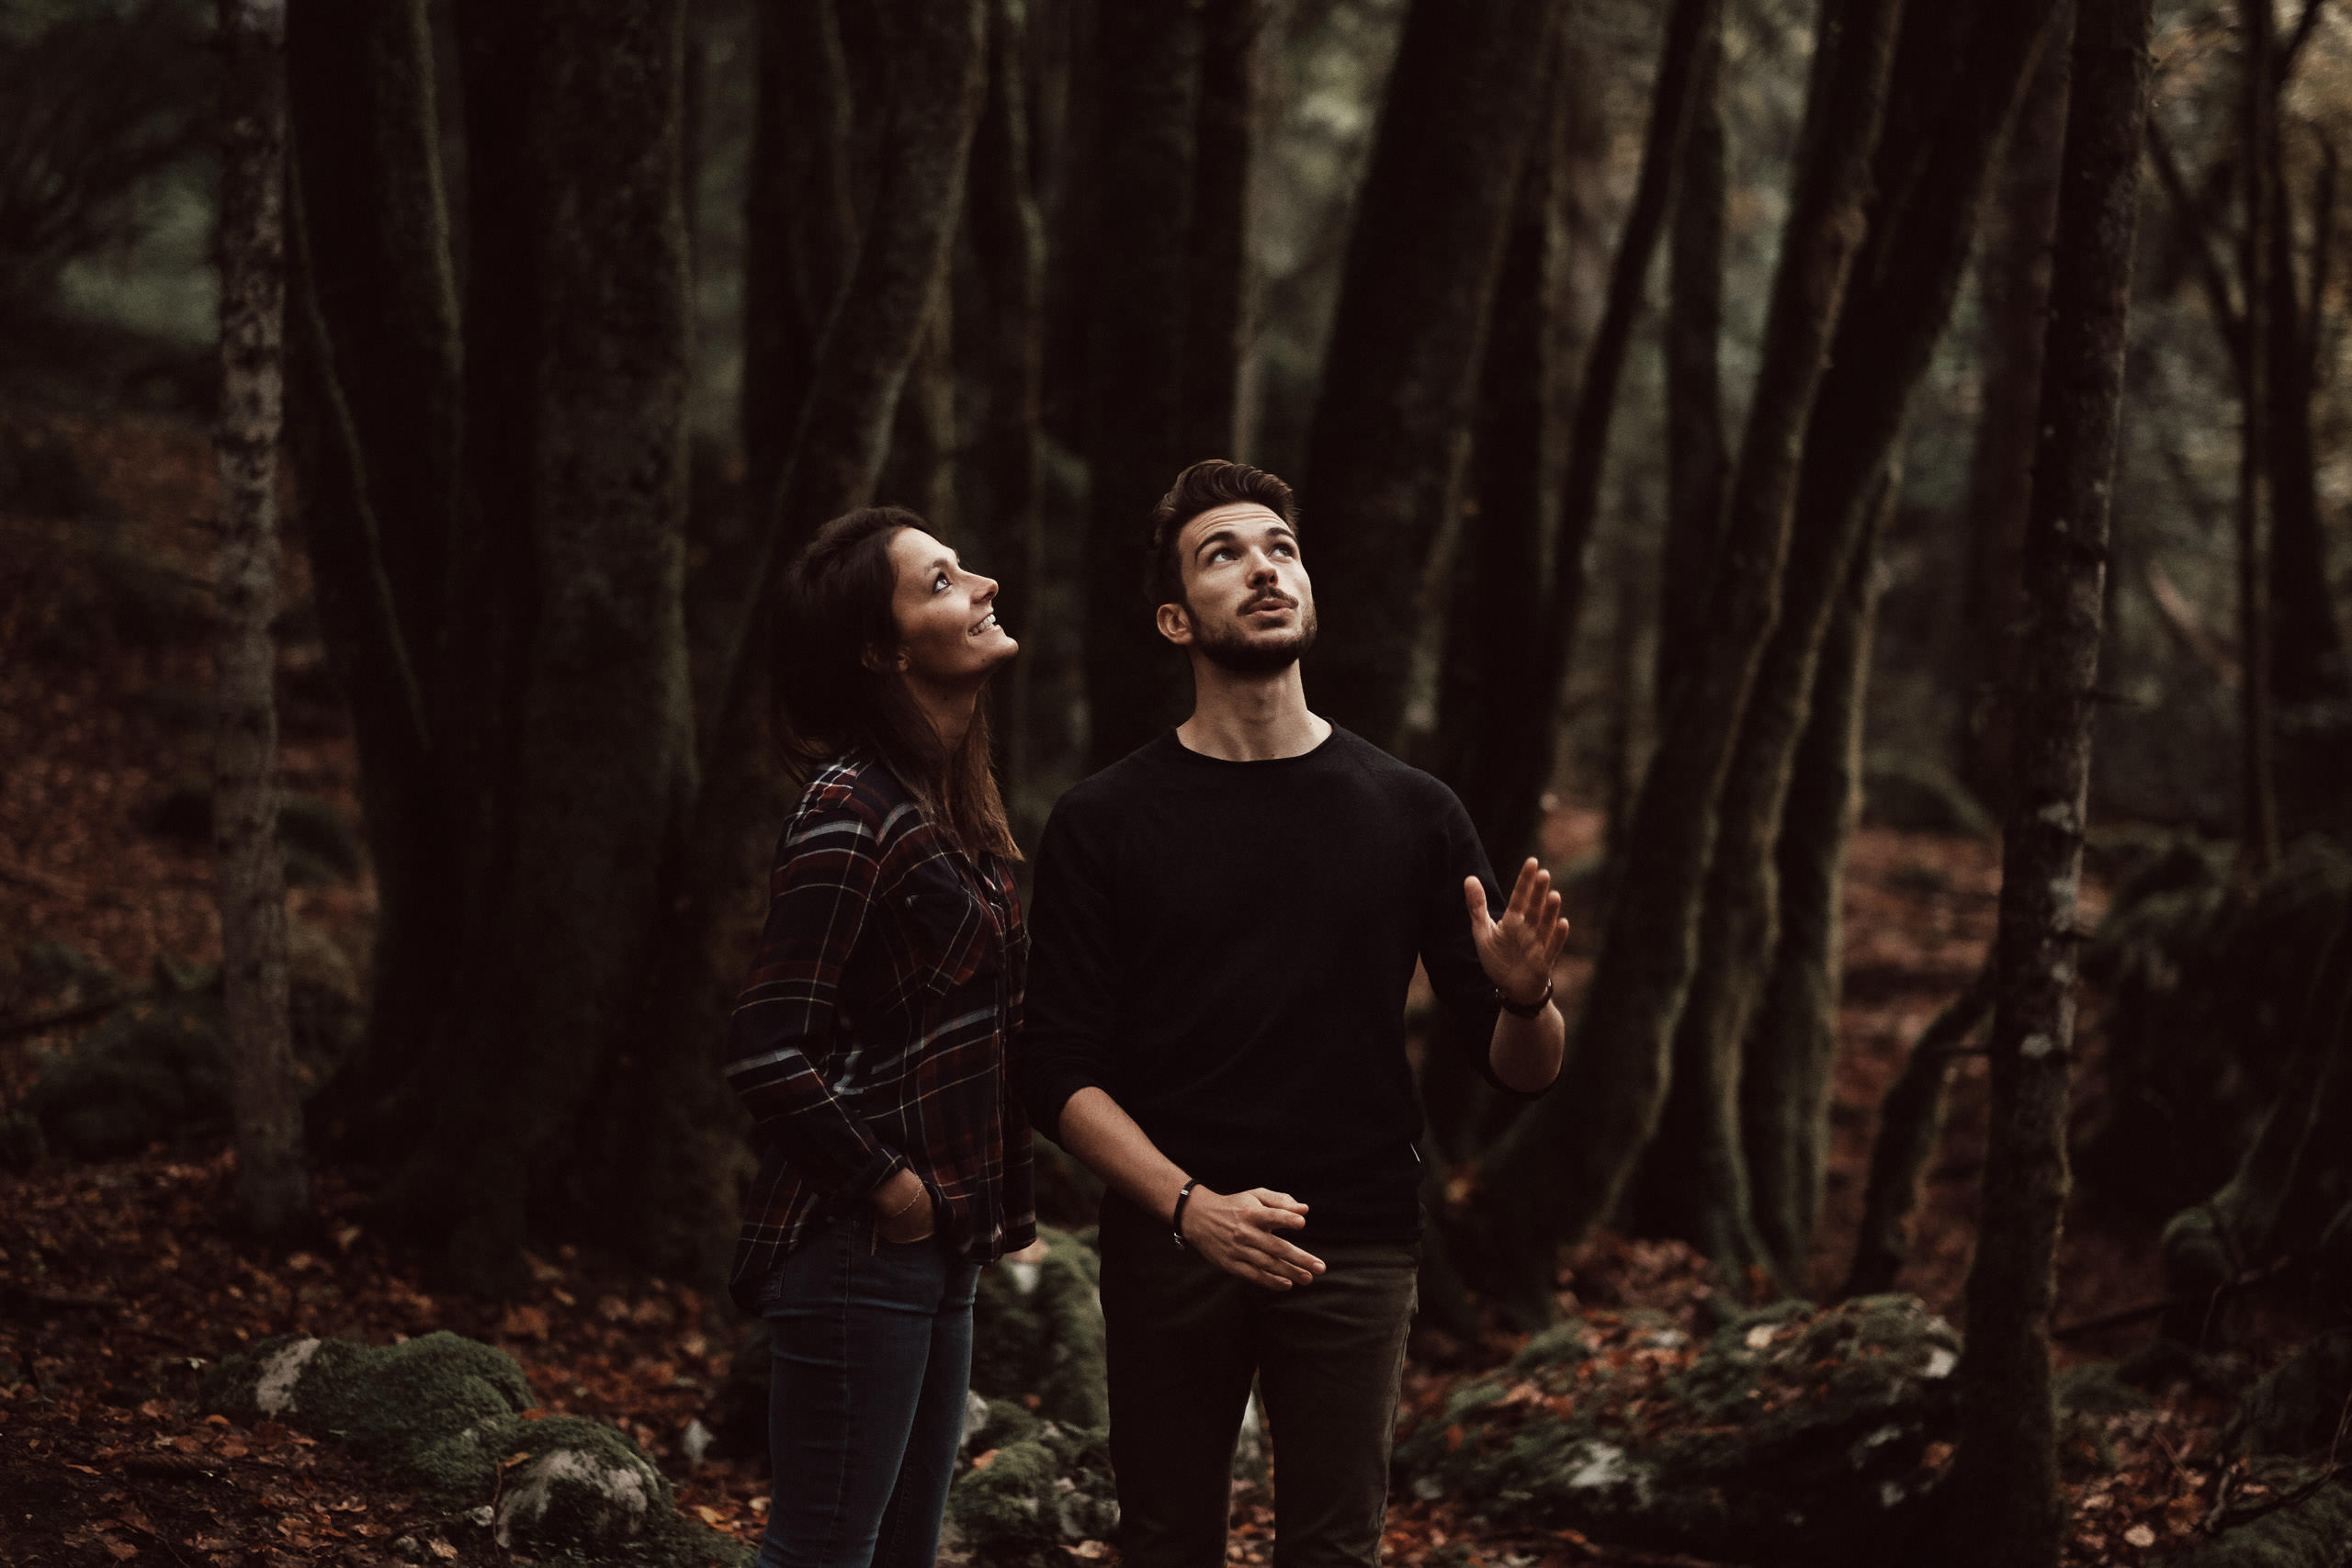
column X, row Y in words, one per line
column 1202, row 758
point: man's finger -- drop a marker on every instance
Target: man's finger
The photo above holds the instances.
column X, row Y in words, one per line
column 1473, row 895
column 1523, row 892
column 1273, row 1199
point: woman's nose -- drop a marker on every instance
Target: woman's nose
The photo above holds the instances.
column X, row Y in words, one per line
column 985, row 592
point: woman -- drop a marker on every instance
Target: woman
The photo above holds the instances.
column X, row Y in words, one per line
column 869, row 1044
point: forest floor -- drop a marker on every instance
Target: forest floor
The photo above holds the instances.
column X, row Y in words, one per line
column 119, row 1281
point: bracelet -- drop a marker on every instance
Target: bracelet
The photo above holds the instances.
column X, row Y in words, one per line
column 1176, row 1219
column 1525, row 1009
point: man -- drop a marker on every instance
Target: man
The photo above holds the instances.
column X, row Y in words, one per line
column 1226, row 926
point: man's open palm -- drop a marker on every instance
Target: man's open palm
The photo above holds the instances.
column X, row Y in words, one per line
column 1518, row 950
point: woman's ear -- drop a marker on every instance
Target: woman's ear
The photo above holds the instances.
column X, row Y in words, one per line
column 874, row 659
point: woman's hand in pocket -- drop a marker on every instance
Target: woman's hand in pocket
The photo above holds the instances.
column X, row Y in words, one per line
column 902, row 1208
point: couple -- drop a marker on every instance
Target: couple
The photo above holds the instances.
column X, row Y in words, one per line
column 1226, row 924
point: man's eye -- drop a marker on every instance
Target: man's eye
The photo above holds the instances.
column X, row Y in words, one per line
column 1283, row 550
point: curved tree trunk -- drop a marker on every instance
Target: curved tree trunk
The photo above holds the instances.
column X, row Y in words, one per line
column 2005, row 1479
column 273, row 1187
column 1400, row 380
column 1957, row 73
column 1792, row 1047
column 1504, row 795
column 1146, row 93
column 1700, row 460
column 1560, row 1169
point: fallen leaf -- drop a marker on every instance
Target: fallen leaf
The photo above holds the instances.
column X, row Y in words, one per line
column 709, row 1515
column 120, row 1551
column 2139, row 1536
column 442, row 1549
column 982, row 1461
column 156, row 1409
column 1090, row 1549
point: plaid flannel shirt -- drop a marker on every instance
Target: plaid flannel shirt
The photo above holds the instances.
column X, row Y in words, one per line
column 872, row 1032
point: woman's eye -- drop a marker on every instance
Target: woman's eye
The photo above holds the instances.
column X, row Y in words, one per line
column 939, row 582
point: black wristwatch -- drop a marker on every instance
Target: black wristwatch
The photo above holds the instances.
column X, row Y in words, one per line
column 1525, row 1009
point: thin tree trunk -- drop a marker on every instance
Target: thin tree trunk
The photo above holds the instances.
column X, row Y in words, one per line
column 1560, row 1169
column 1957, row 75
column 2307, row 649
column 1220, row 299
column 558, row 980
column 1910, row 1121
column 1008, row 242
column 2013, row 282
column 918, row 473
column 800, row 226
column 2258, row 804
column 1400, row 380
column 272, row 1188
column 1145, row 88
column 2006, row 1480
column 1700, row 461
column 1791, row 1048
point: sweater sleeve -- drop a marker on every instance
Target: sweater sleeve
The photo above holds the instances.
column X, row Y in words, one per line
column 782, row 1035
column 1070, row 1007
column 1448, row 954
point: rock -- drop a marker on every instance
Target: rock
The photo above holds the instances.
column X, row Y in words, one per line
column 2298, row 1407
column 1019, row 1505
column 446, row 1415
column 1920, row 796
column 151, row 1071
column 2311, row 1534
column 1795, row 1434
column 1038, row 1328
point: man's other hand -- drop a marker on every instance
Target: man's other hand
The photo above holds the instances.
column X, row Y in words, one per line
column 1243, row 1234
column 1518, row 950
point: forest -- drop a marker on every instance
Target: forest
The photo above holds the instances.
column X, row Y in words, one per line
column 1859, row 488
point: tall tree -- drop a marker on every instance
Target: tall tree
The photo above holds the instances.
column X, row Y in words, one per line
column 1219, row 308
column 2258, row 785
column 273, row 1187
column 1957, row 72
column 2005, row 1474
column 1562, row 1165
column 1694, row 400
column 1385, row 441
column 1145, row 88
column 2013, row 289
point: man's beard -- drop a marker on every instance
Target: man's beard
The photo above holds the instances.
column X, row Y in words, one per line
column 1229, row 647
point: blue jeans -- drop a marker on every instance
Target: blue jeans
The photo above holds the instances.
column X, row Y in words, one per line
column 872, row 1348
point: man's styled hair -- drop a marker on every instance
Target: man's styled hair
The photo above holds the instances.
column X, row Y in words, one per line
column 1205, row 486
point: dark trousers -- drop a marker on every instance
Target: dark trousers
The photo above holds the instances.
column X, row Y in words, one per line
column 1186, row 1338
column 872, row 1352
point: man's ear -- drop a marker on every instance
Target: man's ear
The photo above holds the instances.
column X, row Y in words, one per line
column 1175, row 623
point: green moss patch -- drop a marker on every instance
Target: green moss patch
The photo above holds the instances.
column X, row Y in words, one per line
column 1037, row 1329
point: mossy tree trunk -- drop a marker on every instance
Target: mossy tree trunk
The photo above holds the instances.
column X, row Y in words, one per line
column 1400, row 384
column 2005, row 1481
column 1957, row 75
column 1562, row 1167
column 1145, row 93
column 2013, row 292
column 273, row 1185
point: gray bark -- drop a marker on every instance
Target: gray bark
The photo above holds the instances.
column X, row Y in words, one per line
column 1700, row 460
column 2005, row 1479
column 273, row 1187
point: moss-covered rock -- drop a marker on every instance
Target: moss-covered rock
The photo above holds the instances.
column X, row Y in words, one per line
column 1038, row 1328
column 2311, row 1533
column 2298, row 1407
column 1021, row 1504
column 455, row 1419
column 1794, row 1432
column 151, row 1071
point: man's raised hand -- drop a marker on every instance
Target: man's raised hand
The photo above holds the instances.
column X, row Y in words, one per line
column 1518, row 950
column 1242, row 1233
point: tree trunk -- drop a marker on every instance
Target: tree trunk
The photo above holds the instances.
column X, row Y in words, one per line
column 919, row 472
column 2307, row 652
column 2258, row 786
column 1791, row 1048
column 1957, row 73
column 375, row 439
column 1400, row 380
column 1517, row 740
column 2013, row 283
column 1700, row 463
column 273, row 1187
column 558, row 981
column 1145, row 88
column 1562, row 1167
column 800, row 226
column 2005, row 1481
column 1219, row 308
column 1910, row 1120
column 1008, row 245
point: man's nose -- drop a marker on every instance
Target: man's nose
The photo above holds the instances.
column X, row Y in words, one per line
column 1262, row 569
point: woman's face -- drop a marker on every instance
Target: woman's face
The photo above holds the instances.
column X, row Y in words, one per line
column 947, row 617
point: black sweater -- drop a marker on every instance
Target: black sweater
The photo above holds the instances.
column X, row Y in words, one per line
column 1225, row 948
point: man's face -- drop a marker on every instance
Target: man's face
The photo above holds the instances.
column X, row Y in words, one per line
column 1248, row 603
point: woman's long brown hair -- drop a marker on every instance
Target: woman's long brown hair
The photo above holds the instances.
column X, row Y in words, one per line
column 830, row 698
